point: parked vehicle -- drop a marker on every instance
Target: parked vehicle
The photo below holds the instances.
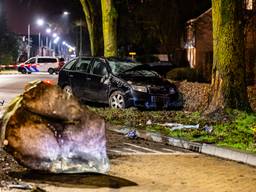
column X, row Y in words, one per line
column 117, row 83
column 41, row 64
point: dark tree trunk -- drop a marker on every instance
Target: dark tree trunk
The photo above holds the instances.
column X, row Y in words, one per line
column 228, row 89
column 90, row 17
column 109, row 19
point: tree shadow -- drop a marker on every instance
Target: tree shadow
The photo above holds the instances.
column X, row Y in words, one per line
column 80, row 180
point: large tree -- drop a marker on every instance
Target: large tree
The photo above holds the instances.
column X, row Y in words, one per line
column 228, row 88
column 109, row 19
column 92, row 13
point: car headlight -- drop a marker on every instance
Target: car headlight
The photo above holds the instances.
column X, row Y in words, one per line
column 172, row 90
column 139, row 88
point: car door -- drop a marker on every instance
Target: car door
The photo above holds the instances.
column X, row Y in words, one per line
column 66, row 74
column 78, row 78
column 97, row 81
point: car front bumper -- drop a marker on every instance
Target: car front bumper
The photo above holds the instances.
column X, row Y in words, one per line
column 153, row 101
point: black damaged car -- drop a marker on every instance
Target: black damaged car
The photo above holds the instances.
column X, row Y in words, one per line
column 120, row 84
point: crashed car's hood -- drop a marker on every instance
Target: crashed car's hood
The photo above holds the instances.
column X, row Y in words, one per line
column 161, row 68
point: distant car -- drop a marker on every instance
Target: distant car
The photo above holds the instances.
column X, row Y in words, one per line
column 41, row 64
column 117, row 83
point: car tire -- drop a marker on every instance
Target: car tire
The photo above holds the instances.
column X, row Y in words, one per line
column 51, row 71
column 23, row 71
column 68, row 90
column 117, row 100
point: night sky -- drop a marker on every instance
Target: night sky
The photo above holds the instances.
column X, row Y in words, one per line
column 20, row 13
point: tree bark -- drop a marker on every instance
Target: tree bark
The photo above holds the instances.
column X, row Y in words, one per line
column 109, row 17
column 228, row 88
column 90, row 17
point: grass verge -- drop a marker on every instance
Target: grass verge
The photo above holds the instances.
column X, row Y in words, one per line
column 234, row 129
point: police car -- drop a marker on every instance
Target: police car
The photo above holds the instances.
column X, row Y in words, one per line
column 41, row 64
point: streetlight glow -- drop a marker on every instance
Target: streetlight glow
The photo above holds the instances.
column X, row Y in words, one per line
column 66, row 13
column 54, row 35
column 48, row 30
column 56, row 40
column 40, row 22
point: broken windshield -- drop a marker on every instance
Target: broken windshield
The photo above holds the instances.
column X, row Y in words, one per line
column 126, row 68
column 118, row 67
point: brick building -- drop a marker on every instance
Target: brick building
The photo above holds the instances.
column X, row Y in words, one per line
column 199, row 42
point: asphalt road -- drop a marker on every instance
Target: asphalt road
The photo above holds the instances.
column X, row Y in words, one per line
column 12, row 85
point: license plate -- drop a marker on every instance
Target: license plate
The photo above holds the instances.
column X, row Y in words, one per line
column 159, row 99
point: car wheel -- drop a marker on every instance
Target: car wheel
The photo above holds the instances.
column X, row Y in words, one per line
column 23, row 71
column 51, row 71
column 117, row 100
column 68, row 90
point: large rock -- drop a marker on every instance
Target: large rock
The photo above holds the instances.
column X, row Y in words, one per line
column 44, row 129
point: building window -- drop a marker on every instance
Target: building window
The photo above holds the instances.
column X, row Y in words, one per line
column 249, row 4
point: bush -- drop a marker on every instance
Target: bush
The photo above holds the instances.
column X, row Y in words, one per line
column 181, row 74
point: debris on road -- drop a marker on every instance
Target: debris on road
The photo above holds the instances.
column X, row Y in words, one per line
column 132, row 134
column 46, row 130
column 178, row 126
column 23, row 186
column 208, row 128
column 149, row 122
column 2, row 101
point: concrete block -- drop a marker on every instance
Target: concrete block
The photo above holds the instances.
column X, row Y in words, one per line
column 156, row 137
column 251, row 159
column 223, row 153
column 208, row 149
column 239, row 156
column 178, row 143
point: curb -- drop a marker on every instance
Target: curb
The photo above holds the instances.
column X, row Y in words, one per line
column 246, row 158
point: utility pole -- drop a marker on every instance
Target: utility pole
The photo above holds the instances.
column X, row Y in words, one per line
column 39, row 44
column 81, row 39
column 28, row 46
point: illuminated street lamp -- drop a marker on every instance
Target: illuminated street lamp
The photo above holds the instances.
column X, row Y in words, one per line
column 54, row 35
column 65, row 13
column 48, row 30
column 56, row 40
column 40, row 22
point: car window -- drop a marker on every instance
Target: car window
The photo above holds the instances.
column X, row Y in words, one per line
column 99, row 68
column 31, row 61
column 47, row 60
column 69, row 65
column 83, row 64
column 61, row 59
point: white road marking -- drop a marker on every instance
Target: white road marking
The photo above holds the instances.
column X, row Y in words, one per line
column 144, row 148
column 131, row 150
column 147, row 154
column 115, row 151
column 169, row 150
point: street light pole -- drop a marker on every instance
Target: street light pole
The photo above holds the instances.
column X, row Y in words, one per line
column 81, row 38
column 39, row 44
column 28, row 48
